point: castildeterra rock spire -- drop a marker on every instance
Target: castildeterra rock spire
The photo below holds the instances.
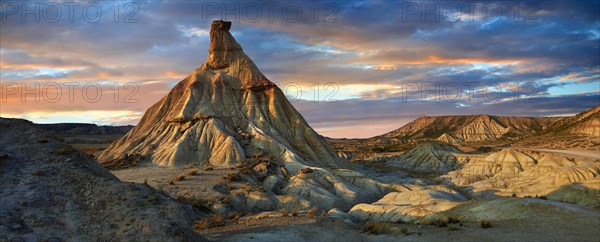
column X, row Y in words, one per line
column 222, row 113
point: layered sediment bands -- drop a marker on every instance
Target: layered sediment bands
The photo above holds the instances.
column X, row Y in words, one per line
column 223, row 112
column 457, row 129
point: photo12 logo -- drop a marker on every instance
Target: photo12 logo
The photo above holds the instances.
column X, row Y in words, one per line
column 53, row 92
column 53, row 12
column 270, row 11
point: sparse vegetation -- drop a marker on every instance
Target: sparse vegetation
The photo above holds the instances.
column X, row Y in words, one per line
column 440, row 222
column 218, row 219
column 375, row 227
column 193, row 172
column 312, row 212
column 180, row 177
column 202, row 224
column 294, row 212
column 306, row 170
column 283, row 212
column 232, row 177
column 486, row 224
column 233, row 216
column 372, row 227
column 453, row 228
column 37, row 173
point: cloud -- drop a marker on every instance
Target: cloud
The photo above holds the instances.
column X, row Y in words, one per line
column 368, row 49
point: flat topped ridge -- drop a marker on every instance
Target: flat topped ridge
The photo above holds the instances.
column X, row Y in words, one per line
column 220, row 25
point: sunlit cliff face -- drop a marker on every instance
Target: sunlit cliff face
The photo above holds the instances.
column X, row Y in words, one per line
column 354, row 69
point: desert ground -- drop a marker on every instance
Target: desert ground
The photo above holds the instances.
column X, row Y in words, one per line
column 224, row 156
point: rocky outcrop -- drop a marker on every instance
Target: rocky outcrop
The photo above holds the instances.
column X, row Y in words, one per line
column 227, row 114
column 414, row 206
column 586, row 122
column 51, row 192
column 523, row 173
column 427, row 157
column 223, row 112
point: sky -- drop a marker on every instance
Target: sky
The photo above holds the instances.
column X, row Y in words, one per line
column 353, row 69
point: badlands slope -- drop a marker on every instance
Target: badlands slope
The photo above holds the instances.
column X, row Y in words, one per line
column 222, row 113
column 454, row 129
column 51, row 192
column 227, row 115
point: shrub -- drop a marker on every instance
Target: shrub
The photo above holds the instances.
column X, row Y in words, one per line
column 202, row 224
column 378, row 228
column 217, row 219
column 234, row 216
column 294, row 212
column 404, row 230
column 440, row 222
column 214, row 221
column 453, row 220
column 193, row 172
column 37, row 173
column 180, row 177
column 283, row 212
column 306, row 170
column 245, row 169
column 486, row 224
column 373, row 227
column 453, row 227
column 312, row 212
column 232, row 177
column 171, row 183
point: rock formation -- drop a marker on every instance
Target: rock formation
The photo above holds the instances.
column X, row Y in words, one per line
column 223, row 112
column 586, row 122
column 465, row 128
column 51, row 192
column 525, row 173
column 427, row 157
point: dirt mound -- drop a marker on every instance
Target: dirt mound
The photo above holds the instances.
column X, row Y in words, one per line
column 51, row 192
column 427, row 157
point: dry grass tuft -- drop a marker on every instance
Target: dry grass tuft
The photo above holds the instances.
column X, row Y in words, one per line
column 218, row 219
column 193, row 172
column 312, row 212
column 234, row 216
column 440, row 222
column 232, row 177
column 206, row 223
column 180, row 177
column 171, row 183
column 486, row 224
column 283, row 212
column 306, row 170
column 294, row 212
column 376, row 227
column 37, row 173
column 453, row 228
column 202, row 224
